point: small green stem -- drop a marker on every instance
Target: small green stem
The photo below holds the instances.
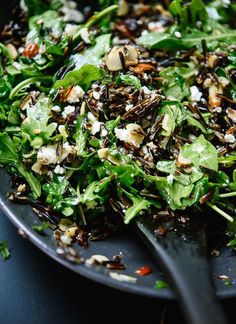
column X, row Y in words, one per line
column 27, row 82
column 81, row 211
column 228, row 195
column 220, row 211
column 95, row 18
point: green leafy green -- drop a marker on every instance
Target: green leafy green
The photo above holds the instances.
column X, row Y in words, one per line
column 129, row 79
column 37, row 7
column 93, row 54
column 177, row 81
column 201, row 153
column 61, row 195
column 190, row 13
column 4, row 250
column 82, row 77
column 161, row 284
column 9, row 155
column 38, row 119
column 40, row 228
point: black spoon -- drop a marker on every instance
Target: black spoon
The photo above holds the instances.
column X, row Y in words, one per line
column 183, row 258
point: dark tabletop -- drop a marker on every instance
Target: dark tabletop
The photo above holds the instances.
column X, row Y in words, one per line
column 36, row 289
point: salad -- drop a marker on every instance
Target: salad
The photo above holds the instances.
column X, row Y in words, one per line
column 126, row 111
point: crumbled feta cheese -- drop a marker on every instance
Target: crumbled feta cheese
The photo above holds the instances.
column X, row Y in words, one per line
column 178, row 34
column 145, row 90
column 62, row 130
column 95, row 127
column 23, row 6
column 128, row 107
column 59, row 170
column 71, row 29
column 196, row 95
column 170, row 178
column 144, row 32
column 96, row 95
column 56, row 108
column 71, row 14
column 67, row 111
column 85, row 35
column 75, row 94
column 212, row 13
column 226, row 3
column 133, row 134
column 91, row 117
column 156, row 26
column 229, row 138
column 104, row 132
column 17, row 66
column 48, row 154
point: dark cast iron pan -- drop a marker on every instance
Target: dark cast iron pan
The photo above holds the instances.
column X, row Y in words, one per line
column 127, row 243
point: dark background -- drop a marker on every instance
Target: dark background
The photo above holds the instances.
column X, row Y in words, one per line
column 35, row 289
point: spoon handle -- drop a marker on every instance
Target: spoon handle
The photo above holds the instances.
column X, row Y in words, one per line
column 188, row 272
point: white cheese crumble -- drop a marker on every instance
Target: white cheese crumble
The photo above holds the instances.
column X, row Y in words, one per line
column 91, row 117
column 133, row 134
column 229, row 138
column 196, row 95
column 96, row 95
column 128, row 107
column 59, row 170
column 71, row 14
column 75, row 94
column 95, row 127
column 48, row 154
column 67, row 111
column 145, row 90
column 62, row 130
column 17, row 66
column 85, row 35
column 178, row 34
column 170, row 178
column 56, row 108
column 156, row 26
column 71, row 29
column 213, row 13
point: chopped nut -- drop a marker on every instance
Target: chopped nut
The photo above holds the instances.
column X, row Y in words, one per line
column 113, row 61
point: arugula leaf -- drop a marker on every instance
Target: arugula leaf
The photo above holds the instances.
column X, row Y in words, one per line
column 189, row 14
column 4, row 250
column 37, row 7
column 9, row 156
column 81, row 136
column 95, row 191
column 139, row 204
column 61, row 195
column 201, row 153
column 40, row 228
column 129, row 79
column 37, row 119
column 161, row 284
column 82, row 77
column 169, row 42
column 177, row 81
column 93, row 54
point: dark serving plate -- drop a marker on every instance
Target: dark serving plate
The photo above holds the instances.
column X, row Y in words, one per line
column 135, row 254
